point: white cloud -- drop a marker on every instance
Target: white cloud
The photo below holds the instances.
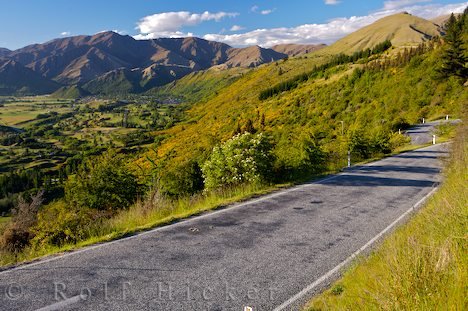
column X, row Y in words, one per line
column 266, row 12
column 398, row 4
column 332, row 2
column 254, row 8
column 237, row 28
column 65, row 33
column 169, row 24
column 334, row 29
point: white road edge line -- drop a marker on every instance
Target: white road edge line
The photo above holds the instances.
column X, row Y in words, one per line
column 348, row 260
column 61, row 304
column 194, row 218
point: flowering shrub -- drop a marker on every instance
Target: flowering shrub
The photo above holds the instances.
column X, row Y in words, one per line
column 245, row 158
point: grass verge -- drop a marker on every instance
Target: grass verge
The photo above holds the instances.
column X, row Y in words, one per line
column 423, row 265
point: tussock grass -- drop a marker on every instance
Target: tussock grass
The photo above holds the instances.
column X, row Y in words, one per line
column 421, row 266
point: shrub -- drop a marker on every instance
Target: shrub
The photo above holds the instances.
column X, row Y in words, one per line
column 102, row 183
column 298, row 157
column 60, row 224
column 18, row 233
column 183, row 179
column 245, row 158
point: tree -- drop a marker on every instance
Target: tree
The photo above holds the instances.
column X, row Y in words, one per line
column 245, row 158
column 454, row 54
column 102, row 183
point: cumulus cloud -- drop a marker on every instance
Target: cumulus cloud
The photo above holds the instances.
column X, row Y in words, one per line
column 331, row 2
column 336, row 28
column 237, row 28
column 254, row 8
column 169, row 24
column 65, row 33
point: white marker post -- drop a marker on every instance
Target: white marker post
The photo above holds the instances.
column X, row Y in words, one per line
column 424, row 120
column 399, row 131
column 248, row 309
column 446, row 117
column 433, row 139
column 349, row 158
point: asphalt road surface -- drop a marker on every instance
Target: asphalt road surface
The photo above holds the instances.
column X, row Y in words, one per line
column 422, row 133
column 259, row 253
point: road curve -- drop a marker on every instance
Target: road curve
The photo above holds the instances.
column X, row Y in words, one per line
column 422, row 134
column 259, row 253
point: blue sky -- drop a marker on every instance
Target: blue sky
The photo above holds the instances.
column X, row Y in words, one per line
column 239, row 23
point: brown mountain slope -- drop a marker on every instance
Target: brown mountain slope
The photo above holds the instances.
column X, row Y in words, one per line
column 15, row 79
column 81, row 59
column 401, row 29
column 297, row 49
column 252, row 56
column 4, row 52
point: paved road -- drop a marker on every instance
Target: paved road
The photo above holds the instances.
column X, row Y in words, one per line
column 422, row 133
column 259, row 253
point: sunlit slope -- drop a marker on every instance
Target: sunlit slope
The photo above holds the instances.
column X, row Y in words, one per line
column 200, row 85
column 401, row 29
column 371, row 101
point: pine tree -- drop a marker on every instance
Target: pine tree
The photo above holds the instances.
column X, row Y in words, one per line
column 454, row 56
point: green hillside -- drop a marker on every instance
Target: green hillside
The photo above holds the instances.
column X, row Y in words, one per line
column 69, row 92
column 200, row 85
column 372, row 100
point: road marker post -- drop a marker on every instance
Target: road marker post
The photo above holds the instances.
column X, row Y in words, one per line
column 424, row 120
column 349, row 158
column 447, row 117
column 433, row 139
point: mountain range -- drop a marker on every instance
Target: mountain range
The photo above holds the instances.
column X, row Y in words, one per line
column 108, row 62
column 133, row 65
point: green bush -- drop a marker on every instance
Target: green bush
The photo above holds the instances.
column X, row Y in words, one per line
column 183, row 179
column 59, row 224
column 102, row 183
column 298, row 157
column 245, row 158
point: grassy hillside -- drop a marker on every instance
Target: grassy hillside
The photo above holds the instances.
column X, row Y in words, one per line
column 69, row 92
column 201, row 85
column 369, row 102
column 424, row 264
column 401, row 29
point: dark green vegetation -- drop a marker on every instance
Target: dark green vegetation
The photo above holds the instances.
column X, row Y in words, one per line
column 319, row 71
column 174, row 160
